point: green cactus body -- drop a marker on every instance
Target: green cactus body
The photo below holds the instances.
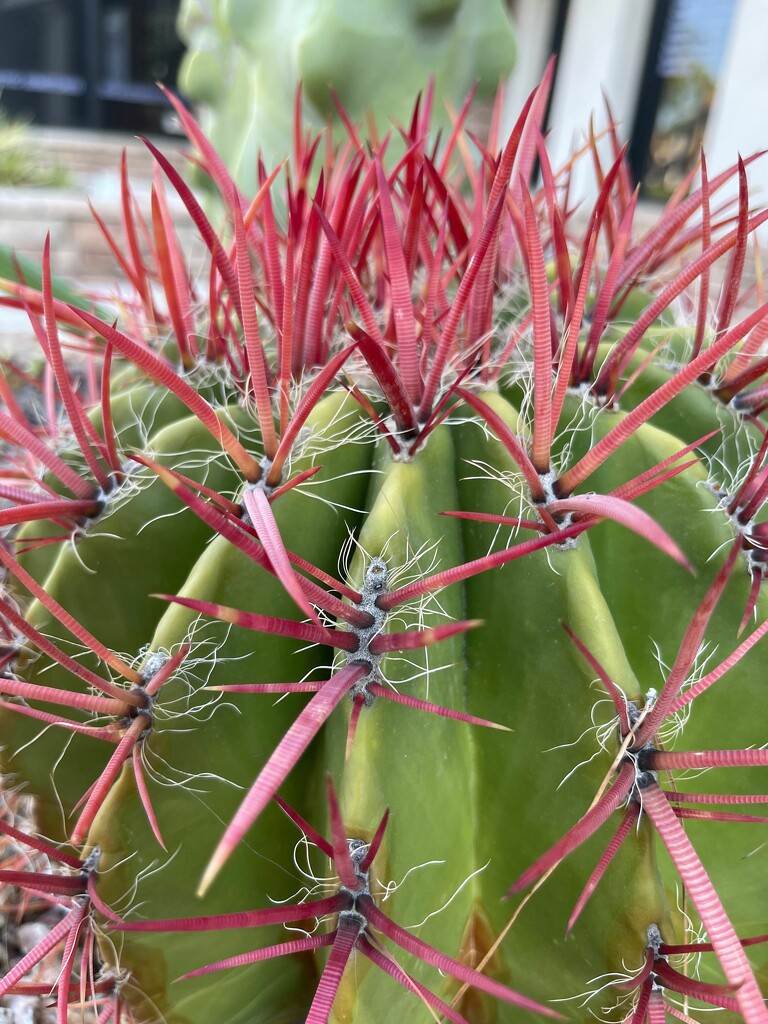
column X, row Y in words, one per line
column 228, row 654
column 402, row 529
column 139, row 412
column 710, row 724
column 557, row 586
column 395, row 617
column 104, row 579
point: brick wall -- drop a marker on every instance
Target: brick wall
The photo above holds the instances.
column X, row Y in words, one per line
column 79, row 252
column 78, row 247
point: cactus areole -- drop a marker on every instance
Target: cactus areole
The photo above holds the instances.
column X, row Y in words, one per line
column 383, row 609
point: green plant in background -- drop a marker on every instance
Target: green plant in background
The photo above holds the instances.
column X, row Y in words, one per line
column 411, row 561
column 19, row 164
column 244, row 62
column 21, row 268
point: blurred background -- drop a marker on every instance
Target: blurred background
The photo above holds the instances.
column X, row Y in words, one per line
column 88, row 63
column 77, row 82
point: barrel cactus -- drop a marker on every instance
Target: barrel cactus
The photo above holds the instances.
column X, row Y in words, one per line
column 383, row 620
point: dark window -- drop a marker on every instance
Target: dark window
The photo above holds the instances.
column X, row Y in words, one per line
column 91, row 63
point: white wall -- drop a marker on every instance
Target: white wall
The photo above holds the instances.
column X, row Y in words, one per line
column 603, row 51
column 534, row 23
column 738, row 122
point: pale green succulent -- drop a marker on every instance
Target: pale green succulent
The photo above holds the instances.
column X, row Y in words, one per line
column 245, row 60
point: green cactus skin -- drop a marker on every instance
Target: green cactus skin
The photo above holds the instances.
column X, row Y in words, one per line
column 224, row 574
column 142, row 544
column 561, row 586
column 400, row 528
column 197, row 554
